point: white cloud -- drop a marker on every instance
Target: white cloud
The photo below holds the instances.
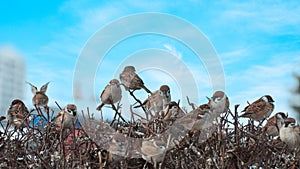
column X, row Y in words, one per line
column 274, row 79
column 173, row 50
column 242, row 85
column 232, row 57
column 263, row 16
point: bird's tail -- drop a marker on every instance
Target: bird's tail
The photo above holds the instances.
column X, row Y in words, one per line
column 2, row 118
column 138, row 106
column 147, row 90
column 100, row 107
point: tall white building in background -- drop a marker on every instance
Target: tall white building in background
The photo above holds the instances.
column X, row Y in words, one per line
column 12, row 77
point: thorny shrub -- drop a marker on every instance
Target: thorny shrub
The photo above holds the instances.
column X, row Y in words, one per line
column 231, row 145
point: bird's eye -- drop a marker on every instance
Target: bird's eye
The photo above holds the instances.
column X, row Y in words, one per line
column 218, row 99
column 69, row 111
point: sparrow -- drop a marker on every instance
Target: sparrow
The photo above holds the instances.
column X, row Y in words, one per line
column 153, row 149
column 290, row 133
column 204, row 107
column 260, row 109
column 274, row 123
column 17, row 113
column 40, row 98
column 67, row 117
column 173, row 111
column 195, row 120
column 218, row 103
column 111, row 94
column 131, row 80
column 158, row 101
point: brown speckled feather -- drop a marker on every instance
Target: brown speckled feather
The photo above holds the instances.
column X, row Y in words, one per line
column 259, row 109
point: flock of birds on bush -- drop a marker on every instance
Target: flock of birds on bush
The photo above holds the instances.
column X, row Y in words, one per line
column 159, row 105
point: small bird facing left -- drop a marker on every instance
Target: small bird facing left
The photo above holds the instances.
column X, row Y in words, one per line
column 67, row 117
column 131, row 80
column 40, row 98
column 17, row 113
column 111, row 94
column 260, row 109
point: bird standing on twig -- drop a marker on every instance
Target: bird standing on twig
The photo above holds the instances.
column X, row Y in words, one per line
column 218, row 103
column 111, row 94
column 17, row 113
column 260, row 109
column 40, row 98
column 154, row 149
column 131, row 80
column 158, row 101
column 67, row 117
column 173, row 111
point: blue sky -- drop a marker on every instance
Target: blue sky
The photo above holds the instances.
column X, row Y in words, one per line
column 258, row 44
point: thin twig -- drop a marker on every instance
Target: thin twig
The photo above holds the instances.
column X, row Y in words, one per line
column 191, row 104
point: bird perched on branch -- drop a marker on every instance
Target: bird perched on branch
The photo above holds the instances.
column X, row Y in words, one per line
column 290, row 133
column 218, row 103
column 131, row 80
column 40, row 98
column 198, row 121
column 17, row 113
column 173, row 111
column 111, row 94
column 274, row 123
column 67, row 117
column 194, row 120
column 260, row 109
column 154, row 149
column 158, row 101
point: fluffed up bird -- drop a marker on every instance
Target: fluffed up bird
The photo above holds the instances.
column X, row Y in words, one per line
column 260, row 109
column 17, row 113
column 40, row 98
column 111, row 94
column 67, row 117
column 290, row 133
column 158, row 101
column 131, row 80
column 219, row 103
column 274, row 123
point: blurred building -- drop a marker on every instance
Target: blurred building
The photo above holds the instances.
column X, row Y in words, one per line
column 12, row 77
